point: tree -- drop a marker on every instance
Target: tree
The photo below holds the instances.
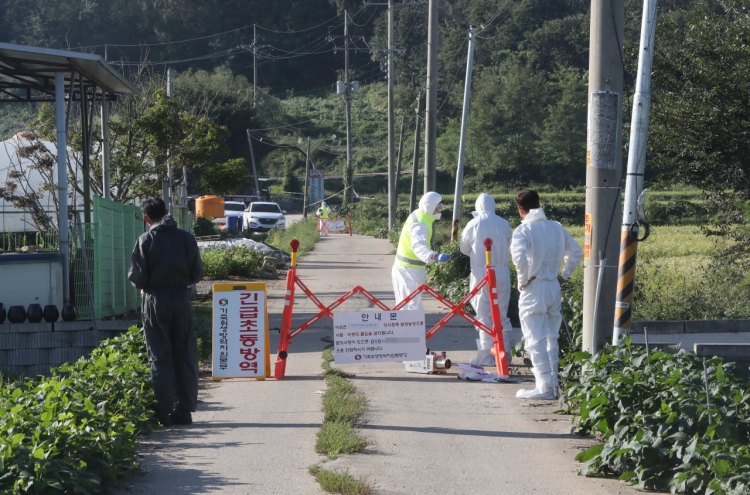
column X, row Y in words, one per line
column 701, row 110
column 145, row 129
column 225, row 178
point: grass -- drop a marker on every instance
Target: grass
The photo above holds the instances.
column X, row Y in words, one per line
column 343, row 483
column 203, row 323
column 305, row 231
column 343, row 409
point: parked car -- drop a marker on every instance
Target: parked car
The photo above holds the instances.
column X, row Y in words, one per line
column 262, row 217
column 234, row 213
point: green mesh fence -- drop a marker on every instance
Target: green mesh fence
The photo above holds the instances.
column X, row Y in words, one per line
column 117, row 228
column 109, row 241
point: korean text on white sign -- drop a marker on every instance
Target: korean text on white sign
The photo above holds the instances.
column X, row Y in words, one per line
column 379, row 336
column 240, row 327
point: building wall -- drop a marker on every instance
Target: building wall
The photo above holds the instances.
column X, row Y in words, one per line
column 34, row 348
column 31, row 278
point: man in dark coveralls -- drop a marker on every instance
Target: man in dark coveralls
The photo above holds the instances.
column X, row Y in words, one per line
column 164, row 263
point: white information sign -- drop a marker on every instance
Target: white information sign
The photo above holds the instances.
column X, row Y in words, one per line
column 379, row 336
column 240, row 338
column 317, row 191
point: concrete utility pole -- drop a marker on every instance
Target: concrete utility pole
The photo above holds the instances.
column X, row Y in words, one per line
column 634, row 182
column 255, row 69
column 170, row 193
column 252, row 160
column 349, row 175
column 430, row 132
column 415, row 162
column 392, row 200
column 307, row 179
column 398, row 158
column 603, row 170
column 462, row 141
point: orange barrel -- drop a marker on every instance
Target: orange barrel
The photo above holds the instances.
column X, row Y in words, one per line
column 209, row 206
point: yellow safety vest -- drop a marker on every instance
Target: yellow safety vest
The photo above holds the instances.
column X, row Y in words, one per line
column 323, row 212
column 404, row 254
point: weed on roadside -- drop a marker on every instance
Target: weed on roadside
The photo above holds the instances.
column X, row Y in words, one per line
column 343, row 483
column 343, row 410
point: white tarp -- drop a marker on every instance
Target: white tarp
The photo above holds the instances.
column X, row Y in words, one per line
column 228, row 243
column 13, row 219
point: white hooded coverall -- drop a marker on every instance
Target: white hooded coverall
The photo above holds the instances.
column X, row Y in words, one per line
column 538, row 248
column 486, row 224
column 406, row 280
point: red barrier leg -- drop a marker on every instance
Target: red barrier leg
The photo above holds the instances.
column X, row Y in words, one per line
column 286, row 316
column 501, row 360
column 286, row 325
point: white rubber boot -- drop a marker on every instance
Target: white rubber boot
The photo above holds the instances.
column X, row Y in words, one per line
column 484, row 357
column 544, row 388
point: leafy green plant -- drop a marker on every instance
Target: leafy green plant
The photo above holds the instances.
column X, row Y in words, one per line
column 657, row 429
column 203, row 227
column 75, row 431
column 238, row 261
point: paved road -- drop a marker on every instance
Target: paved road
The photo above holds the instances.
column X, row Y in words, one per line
column 427, row 434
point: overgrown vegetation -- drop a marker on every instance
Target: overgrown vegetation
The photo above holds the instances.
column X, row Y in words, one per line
column 305, row 231
column 663, row 424
column 235, row 261
column 75, row 431
column 343, row 409
column 343, row 483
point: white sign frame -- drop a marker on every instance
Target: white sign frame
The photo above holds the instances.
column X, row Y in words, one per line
column 241, row 347
column 379, row 336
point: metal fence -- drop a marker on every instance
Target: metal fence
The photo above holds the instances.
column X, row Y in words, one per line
column 109, row 241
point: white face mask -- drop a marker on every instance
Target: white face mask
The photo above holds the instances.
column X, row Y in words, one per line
column 437, row 215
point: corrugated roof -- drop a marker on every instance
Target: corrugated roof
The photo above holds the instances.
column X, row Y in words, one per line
column 34, row 67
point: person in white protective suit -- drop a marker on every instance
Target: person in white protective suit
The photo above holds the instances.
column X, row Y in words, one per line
column 415, row 251
column 487, row 225
column 538, row 248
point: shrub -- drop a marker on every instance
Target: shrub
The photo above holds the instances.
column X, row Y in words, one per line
column 75, row 431
column 237, row 261
column 657, row 429
column 203, row 227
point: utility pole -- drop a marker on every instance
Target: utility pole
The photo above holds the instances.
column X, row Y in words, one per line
column 252, row 160
column 392, row 199
column 307, row 179
column 603, row 170
column 349, row 175
column 169, row 156
column 634, row 183
column 391, row 166
column 462, row 140
column 398, row 159
column 415, row 162
column 255, row 69
column 430, row 131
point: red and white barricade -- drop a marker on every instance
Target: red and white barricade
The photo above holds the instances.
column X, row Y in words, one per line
column 292, row 281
